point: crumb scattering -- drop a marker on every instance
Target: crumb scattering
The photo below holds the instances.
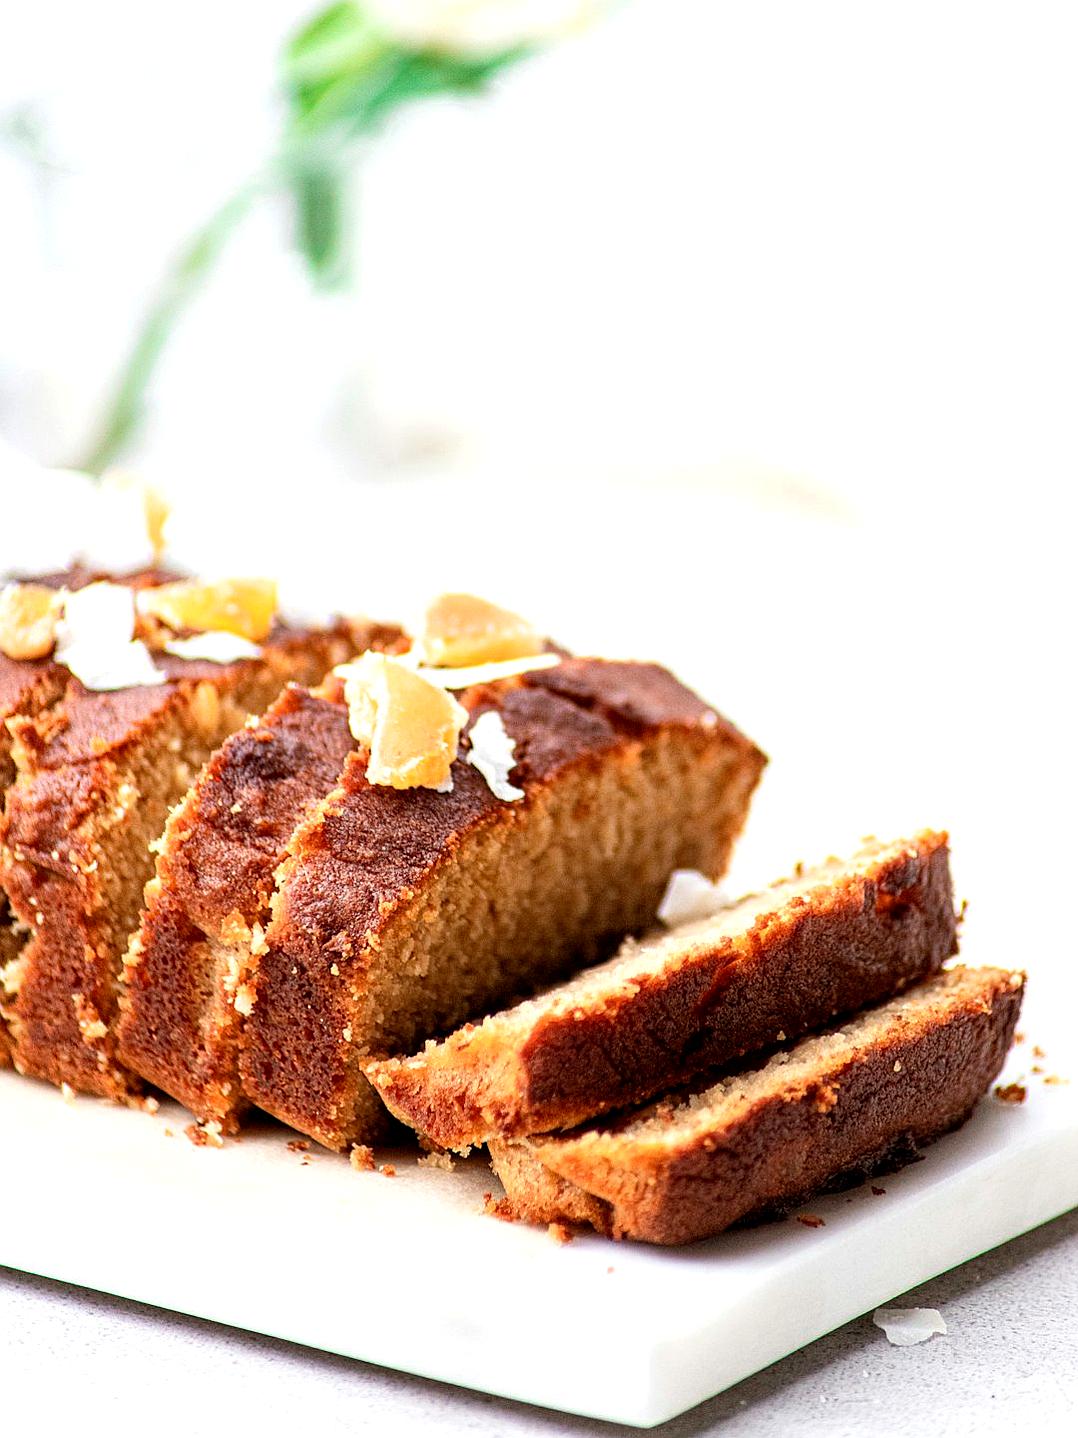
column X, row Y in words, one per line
column 878, row 1191
column 361, row 1158
column 560, row 1233
column 298, row 1145
column 390, row 1170
column 810, row 1220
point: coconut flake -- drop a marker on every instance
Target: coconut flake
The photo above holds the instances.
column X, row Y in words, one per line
column 491, row 753
column 94, row 639
column 906, row 1326
column 217, row 646
column 482, row 673
column 689, row 895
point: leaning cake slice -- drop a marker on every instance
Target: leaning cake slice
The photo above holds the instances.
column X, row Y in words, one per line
column 850, row 1102
column 827, row 941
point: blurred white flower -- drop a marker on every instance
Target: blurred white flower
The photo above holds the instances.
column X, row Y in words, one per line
column 481, row 27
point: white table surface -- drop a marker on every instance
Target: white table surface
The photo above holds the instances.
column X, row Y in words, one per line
column 1010, row 1359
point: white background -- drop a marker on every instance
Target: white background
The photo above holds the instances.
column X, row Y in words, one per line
column 827, row 247
column 738, row 334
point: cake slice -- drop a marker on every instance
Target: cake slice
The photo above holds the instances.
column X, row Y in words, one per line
column 849, row 1102
column 27, row 686
column 186, row 973
column 774, row 965
column 398, row 913
column 97, row 773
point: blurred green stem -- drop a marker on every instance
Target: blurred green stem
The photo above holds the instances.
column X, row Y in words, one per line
column 181, row 284
column 341, row 77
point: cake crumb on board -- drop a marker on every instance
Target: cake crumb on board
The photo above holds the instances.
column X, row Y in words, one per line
column 205, row 1135
column 1011, row 1092
column 436, row 1159
column 498, row 1208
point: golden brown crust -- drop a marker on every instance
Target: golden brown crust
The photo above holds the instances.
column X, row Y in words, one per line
column 842, row 940
column 363, row 874
column 915, row 1074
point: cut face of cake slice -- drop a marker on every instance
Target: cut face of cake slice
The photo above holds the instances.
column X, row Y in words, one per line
column 844, row 1103
column 97, row 771
column 772, row 966
column 27, row 686
column 187, row 970
column 400, row 912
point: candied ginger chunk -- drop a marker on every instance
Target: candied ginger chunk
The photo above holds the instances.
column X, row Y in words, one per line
column 411, row 727
column 244, row 607
column 28, row 615
column 462, row 629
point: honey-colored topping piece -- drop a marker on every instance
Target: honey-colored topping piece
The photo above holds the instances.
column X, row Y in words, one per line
column 412, row 728
column 237, row 606
column 461, row 629
column 155, row 508
column 156, row 512
column 28, row 616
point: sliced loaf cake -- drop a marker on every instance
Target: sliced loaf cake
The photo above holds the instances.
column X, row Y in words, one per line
column 852, row 1101
column 774, row 965
column 97, row 770
column 305, row 918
